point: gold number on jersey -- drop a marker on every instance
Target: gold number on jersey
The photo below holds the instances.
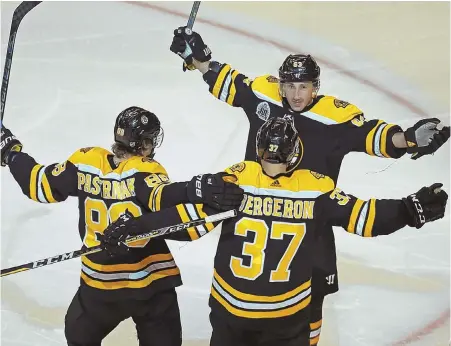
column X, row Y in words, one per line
column 256, row 249
column 155, row 179
column 98, row 217
column 340, row 196
column 59, row 168
column 278, row 231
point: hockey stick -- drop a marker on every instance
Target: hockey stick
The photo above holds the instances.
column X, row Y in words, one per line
column 193, row 14
column 19, row 13
column 152, row 234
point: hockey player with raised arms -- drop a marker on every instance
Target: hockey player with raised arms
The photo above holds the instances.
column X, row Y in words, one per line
column 330, row 128
column 262, row 282
column 140, row 281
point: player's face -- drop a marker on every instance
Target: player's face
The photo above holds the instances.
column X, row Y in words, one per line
column 298, row 94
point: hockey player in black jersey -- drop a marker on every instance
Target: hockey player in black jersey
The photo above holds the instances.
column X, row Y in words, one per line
column 140, row 281
column 330, row 129
column 262, row 282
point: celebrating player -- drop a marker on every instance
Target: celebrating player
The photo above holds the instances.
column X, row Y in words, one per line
column 262, row 284
column 330, row 128
column 140, row 281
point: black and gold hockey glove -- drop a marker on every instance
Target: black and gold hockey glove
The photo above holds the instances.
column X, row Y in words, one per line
column 218, row 191
column 115, row 235
column 9, row 144
column 427, row 205
column 424, row 138
column 188, row 44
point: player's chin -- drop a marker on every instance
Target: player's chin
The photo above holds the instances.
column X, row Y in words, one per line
column 297, row 107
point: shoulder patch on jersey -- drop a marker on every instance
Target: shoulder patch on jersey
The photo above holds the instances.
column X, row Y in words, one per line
column 341, row 104
column 272, row 79
column 238, row 167
column 317, row 175
column 338, row 111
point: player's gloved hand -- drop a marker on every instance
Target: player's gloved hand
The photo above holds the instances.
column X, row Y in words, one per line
column 9, row 145
column 427, row 205
column 114, row 236
column 425, row 138
column 188, row 45
column 218, row 191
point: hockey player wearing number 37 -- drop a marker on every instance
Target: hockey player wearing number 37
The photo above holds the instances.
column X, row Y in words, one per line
column 140, row 281
column 261, row 293
column 330, row 129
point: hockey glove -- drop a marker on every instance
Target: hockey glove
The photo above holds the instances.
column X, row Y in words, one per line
column 426, row 205
column 218, row 191
column 424, row 138
column 9, row 145
column 188, row 45
column 115, row 235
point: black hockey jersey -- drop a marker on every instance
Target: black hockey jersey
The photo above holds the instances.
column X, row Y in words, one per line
column 104, row 192
column 263, row 263
column 329, row 128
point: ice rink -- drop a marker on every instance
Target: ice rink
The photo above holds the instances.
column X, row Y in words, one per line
column 78, row 64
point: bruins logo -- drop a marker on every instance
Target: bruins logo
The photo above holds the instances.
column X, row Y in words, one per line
column 85, row 150
column 317, row 175
column 239, row 167
column 340, row 104
column 272, row 79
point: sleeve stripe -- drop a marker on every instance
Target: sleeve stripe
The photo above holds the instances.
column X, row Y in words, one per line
column 370, row 220
column 47, row 190
column 377, row 140
column 33, row 182
column 41, row 195
column 354, row 215
column 370, row 138
column 220, row 81
column 384, row 140
column 226, row 87
column 193, row 214
column 202, row 214
column 362, row 219
column 232, row 91
column 155, row 198
column 185, row 218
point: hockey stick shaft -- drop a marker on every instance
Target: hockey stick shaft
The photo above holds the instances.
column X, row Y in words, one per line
column 19, row 14
column 151, row 234
column 193, row 14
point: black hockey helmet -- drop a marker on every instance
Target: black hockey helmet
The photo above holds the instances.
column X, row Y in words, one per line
column 277, row 140
column 135, row 125
column 300, row 68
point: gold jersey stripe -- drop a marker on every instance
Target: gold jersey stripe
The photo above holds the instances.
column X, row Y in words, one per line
column 316, row 325
column 354, row 215
column 128, row 266
column 232, row 92
column 255, row 298
column 370, row 219
column 370, row 138
column 260, row 314
column 209, row 226
column 114, row 285
column 314, row 341
column 220, row 81
column 185, row 218
column 33, row 182
column 47, row 190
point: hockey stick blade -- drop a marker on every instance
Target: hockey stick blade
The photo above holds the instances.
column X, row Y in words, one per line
column 19, row 13
column 152, row 234
column 193, row 14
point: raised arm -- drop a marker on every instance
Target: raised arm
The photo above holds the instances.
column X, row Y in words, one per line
column 225, row 83
column 44, row 184
column 377, row 217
